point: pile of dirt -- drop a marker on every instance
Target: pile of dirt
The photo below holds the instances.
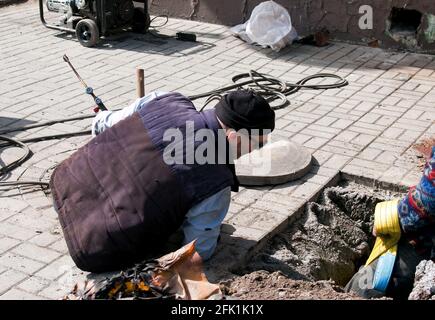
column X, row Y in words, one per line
column 320, row 252
column 262, row 285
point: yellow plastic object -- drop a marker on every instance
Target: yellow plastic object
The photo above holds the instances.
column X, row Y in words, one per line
column 387, row 228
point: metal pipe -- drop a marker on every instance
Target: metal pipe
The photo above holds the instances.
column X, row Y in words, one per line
column 140, row 83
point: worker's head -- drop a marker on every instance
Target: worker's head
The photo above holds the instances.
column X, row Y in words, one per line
column 247, row 119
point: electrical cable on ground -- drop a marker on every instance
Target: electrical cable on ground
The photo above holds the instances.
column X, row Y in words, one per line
column 27, row 154
column 153, row 28
column 271, row 88
column 166, row 17
column 45, row 124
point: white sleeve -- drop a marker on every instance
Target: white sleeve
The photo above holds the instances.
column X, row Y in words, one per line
column 106, row 119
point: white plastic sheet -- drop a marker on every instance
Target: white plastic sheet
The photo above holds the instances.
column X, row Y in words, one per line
column 270, row 25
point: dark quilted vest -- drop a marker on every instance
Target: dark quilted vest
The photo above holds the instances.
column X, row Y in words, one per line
column 116, row 197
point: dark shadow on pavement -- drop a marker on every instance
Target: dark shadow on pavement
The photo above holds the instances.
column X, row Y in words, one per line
column 147, row 43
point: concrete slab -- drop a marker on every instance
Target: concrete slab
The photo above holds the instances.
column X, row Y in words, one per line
column 276, row 163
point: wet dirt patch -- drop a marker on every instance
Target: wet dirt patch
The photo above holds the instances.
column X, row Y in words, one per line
column 262, row 285
column 329, row 242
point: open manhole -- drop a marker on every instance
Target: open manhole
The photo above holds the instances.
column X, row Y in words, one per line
column 330, row 240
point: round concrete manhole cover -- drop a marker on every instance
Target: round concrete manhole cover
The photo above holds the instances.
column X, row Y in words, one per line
column 276, row 163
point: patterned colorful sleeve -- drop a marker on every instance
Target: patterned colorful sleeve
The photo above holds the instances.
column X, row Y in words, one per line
column 417, row 208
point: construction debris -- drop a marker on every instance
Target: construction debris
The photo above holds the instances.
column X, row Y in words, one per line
column 177, row 275
column 318, row 39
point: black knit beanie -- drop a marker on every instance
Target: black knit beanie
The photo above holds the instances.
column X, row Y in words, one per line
column 244, row 109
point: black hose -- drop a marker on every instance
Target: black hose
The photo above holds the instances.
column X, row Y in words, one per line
column 27, row 154
column 45, row 124
column 272, row 88
column 19, row 183
column 47, row 137
column 16, row 163
column 54, row 136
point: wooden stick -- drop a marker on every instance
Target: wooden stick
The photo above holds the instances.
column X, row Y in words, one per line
column 140, row 83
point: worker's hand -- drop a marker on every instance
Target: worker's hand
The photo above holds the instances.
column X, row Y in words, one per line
column 374, row 231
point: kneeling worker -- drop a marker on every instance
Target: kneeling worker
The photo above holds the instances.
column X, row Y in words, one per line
column 140, row 178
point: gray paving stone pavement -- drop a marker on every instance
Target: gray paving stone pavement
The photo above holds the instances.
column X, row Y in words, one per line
column 364, row 130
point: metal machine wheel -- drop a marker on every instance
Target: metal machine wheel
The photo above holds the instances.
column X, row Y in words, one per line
column 141, row 21
column 87, row 32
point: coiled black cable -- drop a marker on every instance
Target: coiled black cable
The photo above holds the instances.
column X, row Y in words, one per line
column 272, row 88
column 27, row 154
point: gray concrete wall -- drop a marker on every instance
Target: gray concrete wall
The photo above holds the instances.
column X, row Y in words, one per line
column 339, row 16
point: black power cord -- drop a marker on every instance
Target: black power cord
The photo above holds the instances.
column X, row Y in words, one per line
column 271, row 88
column 27, row 154
column 153, row 30
column 23, row 183
column 45, row 124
